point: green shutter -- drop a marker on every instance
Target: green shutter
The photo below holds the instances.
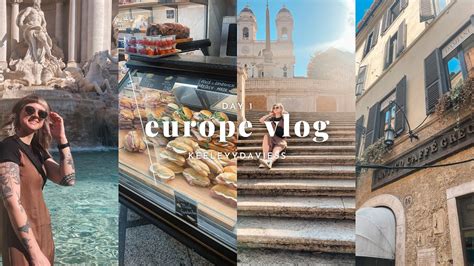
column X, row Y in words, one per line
column 435, row 81
column 376, row 33
column 403, row 4
column 386, row 62
column 372, row 133
column 401, row 38
column 401, row 98
column 426, row 10
column 361, row 80
column 359, row 131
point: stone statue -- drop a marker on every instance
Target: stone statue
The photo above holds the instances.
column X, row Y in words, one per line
column 97, row 74
column 32, row 24
column 38, row 66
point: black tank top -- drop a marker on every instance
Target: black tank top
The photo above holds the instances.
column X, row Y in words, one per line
column 279, row 130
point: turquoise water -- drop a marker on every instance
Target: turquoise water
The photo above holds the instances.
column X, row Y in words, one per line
column 85, row 217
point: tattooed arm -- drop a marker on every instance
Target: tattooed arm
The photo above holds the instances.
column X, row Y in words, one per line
column 265, row 118
column 10, row 194
column 63, row 173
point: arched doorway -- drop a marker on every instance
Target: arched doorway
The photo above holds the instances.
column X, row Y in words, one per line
column 392, row 203
column 375, row 236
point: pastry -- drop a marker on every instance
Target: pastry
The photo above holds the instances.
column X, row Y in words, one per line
column 230, row 169
column 179, row 147
column 188, row 141
column 162, row 171
column 213, row 163
column 133, row 142
column 225, row 193
column 228, row 179
column 198, row 165
column 171, row 156
column 195, row 178
column 177, row 169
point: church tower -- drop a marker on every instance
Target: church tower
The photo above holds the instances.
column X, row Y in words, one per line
column 284, row 22
column 247, row 25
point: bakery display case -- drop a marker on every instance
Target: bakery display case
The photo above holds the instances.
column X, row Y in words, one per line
column 186, row 19
column 173, row 168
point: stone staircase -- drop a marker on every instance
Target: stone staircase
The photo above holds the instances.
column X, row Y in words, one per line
column 302, row 210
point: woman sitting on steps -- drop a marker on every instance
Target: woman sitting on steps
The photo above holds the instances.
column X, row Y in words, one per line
column 272, row 147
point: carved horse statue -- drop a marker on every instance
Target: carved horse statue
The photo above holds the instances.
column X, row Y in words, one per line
column 96, row 73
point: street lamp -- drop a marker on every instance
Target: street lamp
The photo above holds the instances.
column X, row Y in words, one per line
column 390, row 131
column 389, row 135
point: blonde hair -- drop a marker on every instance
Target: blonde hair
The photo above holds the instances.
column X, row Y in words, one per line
column 283, row 111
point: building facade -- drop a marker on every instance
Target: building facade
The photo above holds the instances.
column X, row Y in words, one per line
column 266, row 58
column 269, row 68
column 415, row 70
column 77, row 30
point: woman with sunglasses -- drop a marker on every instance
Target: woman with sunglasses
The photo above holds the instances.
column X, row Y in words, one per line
column 272, row 147
column 25, row 164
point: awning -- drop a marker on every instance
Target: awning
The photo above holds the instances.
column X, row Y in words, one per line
column 375, row 233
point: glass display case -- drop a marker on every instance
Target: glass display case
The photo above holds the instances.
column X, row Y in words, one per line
column 135, row 17
column 168, row 177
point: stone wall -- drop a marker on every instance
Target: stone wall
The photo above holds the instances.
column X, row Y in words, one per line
column 423, row 194
column 88, row 122
column 298, row 95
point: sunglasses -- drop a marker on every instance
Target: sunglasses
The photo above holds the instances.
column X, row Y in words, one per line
column 30, row 110
column 276, row 107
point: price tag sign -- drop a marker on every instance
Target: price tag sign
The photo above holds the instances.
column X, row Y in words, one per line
column 186, row 207
column 217, row 86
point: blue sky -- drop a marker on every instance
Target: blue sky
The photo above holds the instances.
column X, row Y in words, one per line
column 361, row 7
column 318, row 25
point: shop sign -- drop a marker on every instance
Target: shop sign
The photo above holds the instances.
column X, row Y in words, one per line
column 458, row 40
column 436, row 148
column 185, row 207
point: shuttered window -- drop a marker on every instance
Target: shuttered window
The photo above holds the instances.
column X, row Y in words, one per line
column 401, row 98
column 387, row 113
column 372, row 133
column 387, row 119
column 359, row 132
column 368, row 43
column 401, row 38
column 361, row 80
column 372, row 39
column 429, row 9
column 392, row 13
column 435, row 81
column 390, row 50
column 395, row 45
